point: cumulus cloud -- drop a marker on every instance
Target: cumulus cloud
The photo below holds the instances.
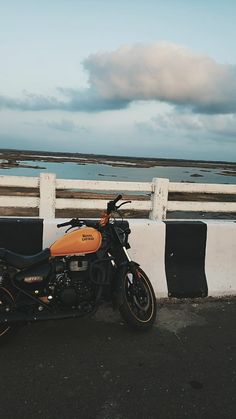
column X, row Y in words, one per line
column 164, row 72
column 160, row 71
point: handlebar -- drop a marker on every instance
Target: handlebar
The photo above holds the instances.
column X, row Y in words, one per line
column 117, row 199
column 111, row 207
column 64, row 224
column 74, row 222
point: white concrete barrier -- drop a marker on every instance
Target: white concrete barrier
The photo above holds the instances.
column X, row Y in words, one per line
column 147, row 241
column 181, row 258
column 180, row 263
column 220, row 262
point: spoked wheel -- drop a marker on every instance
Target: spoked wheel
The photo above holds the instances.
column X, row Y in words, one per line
column 6, row 302
column 139, row 302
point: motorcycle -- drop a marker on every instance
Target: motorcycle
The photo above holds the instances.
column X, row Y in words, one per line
column 78, row 272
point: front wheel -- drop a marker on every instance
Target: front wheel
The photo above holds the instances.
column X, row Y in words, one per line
column 138, row 306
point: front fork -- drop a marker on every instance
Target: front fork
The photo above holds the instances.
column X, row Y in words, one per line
column 126, row 266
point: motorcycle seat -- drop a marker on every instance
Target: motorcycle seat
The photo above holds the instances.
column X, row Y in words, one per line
column 20, row 261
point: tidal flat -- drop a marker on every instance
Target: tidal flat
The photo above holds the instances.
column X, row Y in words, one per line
column 102, row 167
column 12, row 158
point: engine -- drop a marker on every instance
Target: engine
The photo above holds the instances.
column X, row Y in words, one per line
column 72, row 285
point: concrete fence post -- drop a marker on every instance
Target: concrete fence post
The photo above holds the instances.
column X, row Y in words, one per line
column 159, row 199
column 47, row 204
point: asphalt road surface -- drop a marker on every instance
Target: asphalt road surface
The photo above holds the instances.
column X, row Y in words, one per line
column 97, row 369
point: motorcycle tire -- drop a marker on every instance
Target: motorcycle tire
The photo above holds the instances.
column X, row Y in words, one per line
column 139, row 305
column 6, row 301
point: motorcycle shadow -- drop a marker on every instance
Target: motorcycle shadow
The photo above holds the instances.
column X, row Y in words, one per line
column 105, row 322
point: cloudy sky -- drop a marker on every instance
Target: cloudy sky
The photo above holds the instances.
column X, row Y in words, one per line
column 125, row 77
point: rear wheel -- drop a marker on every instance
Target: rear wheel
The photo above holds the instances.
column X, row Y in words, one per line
column 6, row 303
column 139, row 301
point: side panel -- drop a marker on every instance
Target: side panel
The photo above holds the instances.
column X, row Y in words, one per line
column 32, row 279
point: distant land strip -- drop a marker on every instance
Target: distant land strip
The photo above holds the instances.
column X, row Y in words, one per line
column 13, row 158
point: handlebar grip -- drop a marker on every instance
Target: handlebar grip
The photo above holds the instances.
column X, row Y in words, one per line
column 64, row 224
column 117, row 199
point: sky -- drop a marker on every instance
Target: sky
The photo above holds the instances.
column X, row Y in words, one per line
column 152, row 78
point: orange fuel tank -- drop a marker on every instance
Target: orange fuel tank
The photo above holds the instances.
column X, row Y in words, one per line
column 81, row 241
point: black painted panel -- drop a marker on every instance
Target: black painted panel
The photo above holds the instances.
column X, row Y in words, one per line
column 185, row 259
column 21, row 235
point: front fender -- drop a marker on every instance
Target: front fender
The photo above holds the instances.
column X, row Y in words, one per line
column 117, row 294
